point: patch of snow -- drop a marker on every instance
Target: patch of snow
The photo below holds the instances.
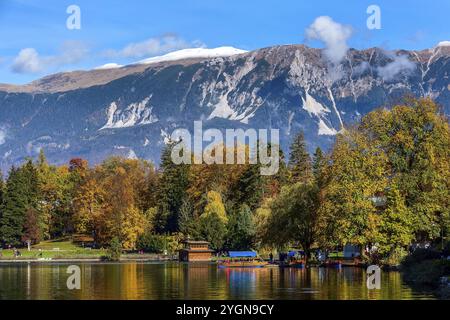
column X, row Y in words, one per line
column 444, row 44
column 290, row 119
column 109, row 66
column 132, row 155
column 222, row 109
column 166, row 136
column 110, row 114
column 194, row 53
column 138, row 113
column 335, row 107
column 324, row 130
column 146, row 142
column 313, row 107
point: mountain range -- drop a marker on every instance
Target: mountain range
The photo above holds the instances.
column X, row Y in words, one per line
column 132, row 110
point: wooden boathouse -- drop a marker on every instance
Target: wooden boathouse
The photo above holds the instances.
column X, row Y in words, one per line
column 195, row 251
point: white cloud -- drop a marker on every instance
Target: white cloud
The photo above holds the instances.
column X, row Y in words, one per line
column 400, row 65
column 27, row 61
column 30, row 61
column 71, row 52
column 361, row 68
column 152, row 47
column 334, row 35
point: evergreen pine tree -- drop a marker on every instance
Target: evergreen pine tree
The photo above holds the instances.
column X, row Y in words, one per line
column 250, row 187
column 300, row 161
column 171, row 192
column 319, row 163
column 13, row 209
column 241, row 230
column 20, row 195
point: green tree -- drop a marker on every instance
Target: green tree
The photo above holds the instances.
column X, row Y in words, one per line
column 249, row 188
column 416, row 140
column 173, row 184
column 356, row 175
column 114, row 249
column 241, row 230
column 300, row 161
column 319, row 165
column 212, row 229
column 294, row 217
column 20, row 195
column 395, row 224
column 188, row 220
column 213, row 221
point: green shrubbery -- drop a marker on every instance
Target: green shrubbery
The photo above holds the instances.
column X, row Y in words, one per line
column 420, row 255
column 114, row 251
column 152, row 243
column 396, row 257
column 425, row 267
column 427, row 272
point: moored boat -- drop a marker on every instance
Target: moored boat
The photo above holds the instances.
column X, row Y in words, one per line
column 242, row 259
column 332, row 264
column 293, row 259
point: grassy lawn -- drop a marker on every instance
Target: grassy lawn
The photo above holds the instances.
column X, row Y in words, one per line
column 56, row 249
column 336, row 255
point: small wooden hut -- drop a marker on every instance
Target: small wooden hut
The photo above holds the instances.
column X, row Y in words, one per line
column 195, row 251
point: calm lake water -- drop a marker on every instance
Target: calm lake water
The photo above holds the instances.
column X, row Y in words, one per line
column 204, row 281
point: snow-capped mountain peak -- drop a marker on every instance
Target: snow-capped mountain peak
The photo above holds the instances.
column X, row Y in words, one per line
column 444, row 44
column 109, row 66
column 132, row 111
column 194, row 53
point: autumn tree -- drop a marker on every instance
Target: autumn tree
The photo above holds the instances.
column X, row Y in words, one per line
column 415, row 138
column 294, row 217
column 396, row 223
column 213, row 221
column 389, row 178
column 55, row 198
column 357, row 174
column 31, row 231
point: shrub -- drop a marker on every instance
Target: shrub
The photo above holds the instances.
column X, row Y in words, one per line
column 396, row 257
column 427, row 272
column 114, row 251
column 446, row 251
column 152, row 243
column 420, row 255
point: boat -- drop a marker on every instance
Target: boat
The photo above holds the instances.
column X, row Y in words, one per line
column 355, row 262
column 332, row 264
column 293, row 259
column 297, row 264
column 243, row 259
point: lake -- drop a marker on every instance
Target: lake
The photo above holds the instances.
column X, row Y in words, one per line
column 154, row 281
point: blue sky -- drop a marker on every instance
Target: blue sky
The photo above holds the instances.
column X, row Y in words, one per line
column 127, row 31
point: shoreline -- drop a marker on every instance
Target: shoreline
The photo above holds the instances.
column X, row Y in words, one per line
column 148, row 258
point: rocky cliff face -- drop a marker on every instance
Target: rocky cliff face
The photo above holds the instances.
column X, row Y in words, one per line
column 132, row 110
